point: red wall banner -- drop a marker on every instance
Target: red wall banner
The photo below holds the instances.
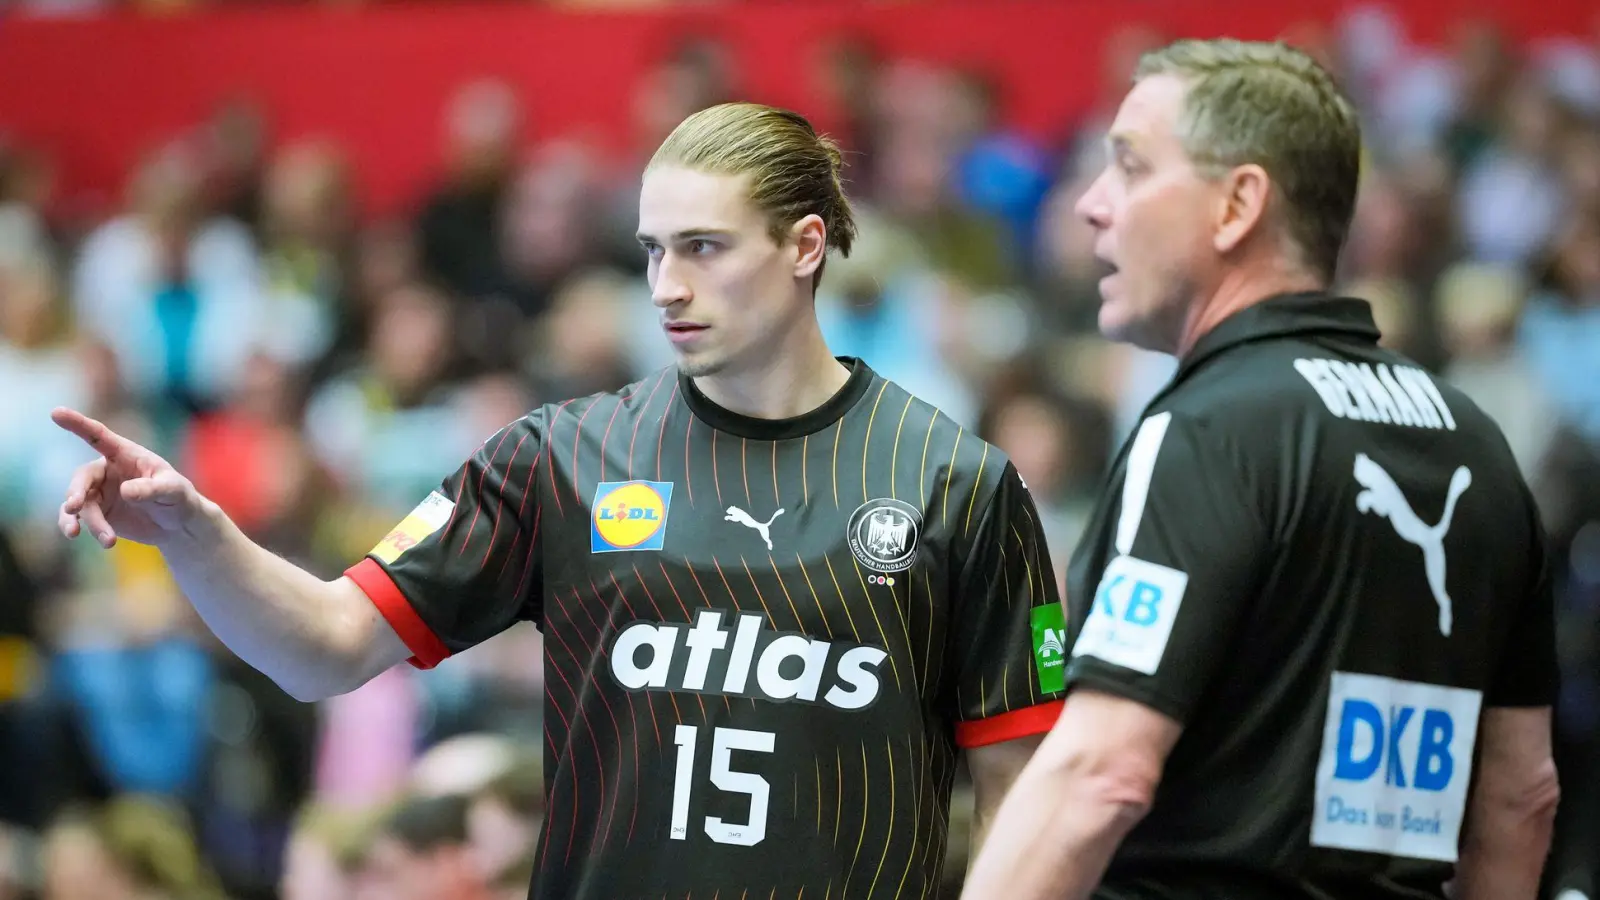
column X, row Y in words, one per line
column 95, row 93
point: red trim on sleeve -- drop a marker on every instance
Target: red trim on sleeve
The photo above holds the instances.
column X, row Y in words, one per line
column 1009, row 726
column 426, row 648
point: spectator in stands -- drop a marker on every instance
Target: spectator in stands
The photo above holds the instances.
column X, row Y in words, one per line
column 26, row 179
column 319, row 863
column 133, row 848
column 1059, row 446
column 1561, row 327
column 460, row 220
column 999, row 171
column 173, row 290
column 1478, row 307
column 386, row 426
column 421, row 852
column 306, row 232
column 1512, row 198
column 22, row 797
column 40, row 369
column 234, row 143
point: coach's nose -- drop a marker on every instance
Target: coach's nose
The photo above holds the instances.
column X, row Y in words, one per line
column 669, row 285
column 1094, row 206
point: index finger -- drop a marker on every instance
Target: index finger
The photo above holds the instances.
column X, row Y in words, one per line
column 107, row 442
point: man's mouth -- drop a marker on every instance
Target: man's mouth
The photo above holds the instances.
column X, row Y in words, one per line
column 683, row 332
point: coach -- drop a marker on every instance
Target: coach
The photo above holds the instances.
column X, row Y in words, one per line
column 1312, row 645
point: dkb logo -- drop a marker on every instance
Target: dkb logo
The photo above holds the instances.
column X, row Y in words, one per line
column 1132, row 614
column 1140, row 600
column 1383, row 737
column 1396, row 764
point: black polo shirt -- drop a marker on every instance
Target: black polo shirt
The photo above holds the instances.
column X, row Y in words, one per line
column 1324, row 563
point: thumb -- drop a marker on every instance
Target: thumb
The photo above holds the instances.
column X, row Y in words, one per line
column 163, row 489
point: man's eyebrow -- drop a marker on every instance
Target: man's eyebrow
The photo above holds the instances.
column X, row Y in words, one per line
column 688, row 234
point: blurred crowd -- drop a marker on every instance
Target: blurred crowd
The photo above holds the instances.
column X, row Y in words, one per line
column 316, row 372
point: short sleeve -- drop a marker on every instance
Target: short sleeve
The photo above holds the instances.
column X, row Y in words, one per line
column 1008, row 632
column 465, row 564
column 1529, row 671
column 1188, row 554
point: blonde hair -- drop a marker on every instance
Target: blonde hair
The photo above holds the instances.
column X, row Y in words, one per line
column 793, row 170
column 1274, row 106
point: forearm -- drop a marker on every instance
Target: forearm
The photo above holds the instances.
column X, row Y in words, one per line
column 995, row 768
column 304, row 633
column 1053, row 837
column 1504, row 852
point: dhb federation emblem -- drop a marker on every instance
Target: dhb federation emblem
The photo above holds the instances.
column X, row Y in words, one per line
column 883, row 534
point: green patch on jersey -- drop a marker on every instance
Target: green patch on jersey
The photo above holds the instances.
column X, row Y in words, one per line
column 1050, row 646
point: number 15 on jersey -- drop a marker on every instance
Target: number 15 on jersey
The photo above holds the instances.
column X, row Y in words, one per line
column 724, row 741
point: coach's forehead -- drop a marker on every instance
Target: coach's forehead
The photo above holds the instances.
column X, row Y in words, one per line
column 1147, row 121
column 674, row 200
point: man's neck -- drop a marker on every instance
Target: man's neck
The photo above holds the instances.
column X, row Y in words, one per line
column 801, row 376
column 1237, row 291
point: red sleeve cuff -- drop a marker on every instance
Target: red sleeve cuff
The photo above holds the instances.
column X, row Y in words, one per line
column 1009, row 726
column 426, row 649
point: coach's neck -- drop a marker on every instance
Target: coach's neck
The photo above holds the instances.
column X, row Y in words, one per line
column 1240, row 286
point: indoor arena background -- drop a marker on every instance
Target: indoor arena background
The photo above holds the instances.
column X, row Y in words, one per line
column 392, row 228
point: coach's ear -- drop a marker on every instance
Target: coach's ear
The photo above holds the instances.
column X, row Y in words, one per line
column 809, row 237
column 1241, row 205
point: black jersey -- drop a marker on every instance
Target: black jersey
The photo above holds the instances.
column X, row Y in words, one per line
column 1324, row 564
column 765, row 641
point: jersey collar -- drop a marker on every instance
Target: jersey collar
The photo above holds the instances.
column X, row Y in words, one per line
column 1283, row 315
column 730, row 422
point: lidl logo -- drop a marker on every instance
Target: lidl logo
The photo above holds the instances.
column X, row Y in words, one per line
column 629, row 515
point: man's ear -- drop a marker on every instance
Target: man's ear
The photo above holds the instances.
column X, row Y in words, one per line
column 810, row 239
column 1241, row 206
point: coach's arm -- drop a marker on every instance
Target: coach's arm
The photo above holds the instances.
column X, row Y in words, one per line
column 1092, row 779
column 1512, row 812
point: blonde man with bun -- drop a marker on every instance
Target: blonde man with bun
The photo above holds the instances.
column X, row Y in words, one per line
column 781, row 597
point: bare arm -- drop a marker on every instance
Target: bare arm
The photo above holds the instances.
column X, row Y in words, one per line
column 314, row 638
column 1091, row 781
column 994, row 768
column 1513, row 807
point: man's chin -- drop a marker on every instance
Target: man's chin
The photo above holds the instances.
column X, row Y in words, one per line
column 1114, row 321
column 699, row 366
column 1117, row 325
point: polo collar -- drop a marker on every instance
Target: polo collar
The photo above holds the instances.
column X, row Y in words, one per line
column 1281, row 316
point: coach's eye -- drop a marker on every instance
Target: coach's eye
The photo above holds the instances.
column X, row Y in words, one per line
column 700, row 247
column 651, row 250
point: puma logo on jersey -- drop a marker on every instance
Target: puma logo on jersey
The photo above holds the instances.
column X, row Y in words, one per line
column 1382, row 497
column 735, row 514
column 761, row 664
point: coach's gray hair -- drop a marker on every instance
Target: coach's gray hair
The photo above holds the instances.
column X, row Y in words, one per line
column 1274, row 106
